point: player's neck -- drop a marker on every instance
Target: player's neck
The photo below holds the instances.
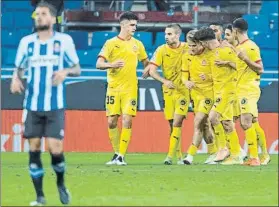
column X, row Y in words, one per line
column 235, row 43
column 45, row 35
column 123, row 36
column 175, row 45
column 242, row 38
column 215, row 43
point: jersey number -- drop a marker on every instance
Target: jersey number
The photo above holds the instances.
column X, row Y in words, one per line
column 110, row 99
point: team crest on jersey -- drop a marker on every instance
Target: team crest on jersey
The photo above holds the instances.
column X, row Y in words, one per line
column 56, row 47
column 207, row 101
column 133, row 102
column 183, row 102
column 218, row 100
column 204, row 62
column 135, row 48
column 244, row 101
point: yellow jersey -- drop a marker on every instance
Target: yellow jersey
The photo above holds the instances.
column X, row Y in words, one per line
column 130, row 51
column 170, row 61
column 248, row 80
column 224, row 77
column 196, row 65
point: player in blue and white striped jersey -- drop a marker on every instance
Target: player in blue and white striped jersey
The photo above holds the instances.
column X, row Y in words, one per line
column 43, row 54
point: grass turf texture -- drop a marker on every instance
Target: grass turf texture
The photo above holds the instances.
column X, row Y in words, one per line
column 145, row 181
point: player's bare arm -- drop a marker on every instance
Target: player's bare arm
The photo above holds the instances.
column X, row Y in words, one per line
column 16, row 84
column 59, row 76
column 145, row 73
column 225, row 63
column 154, row 74
column 103, row 65
column 255, row 66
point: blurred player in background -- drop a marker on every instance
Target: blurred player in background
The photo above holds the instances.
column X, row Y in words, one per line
column 223, row 63
column 120, row 56
column 248, row 91
column 176, row 97
column 217, row 27
column 196, row 75
column 43, row 53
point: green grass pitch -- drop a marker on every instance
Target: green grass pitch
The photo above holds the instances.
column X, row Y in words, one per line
column 144, row 181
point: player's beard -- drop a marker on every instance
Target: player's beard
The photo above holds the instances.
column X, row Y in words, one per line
column 41, row 28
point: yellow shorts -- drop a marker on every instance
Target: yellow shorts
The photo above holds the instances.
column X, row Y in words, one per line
column 121, row 102
column 176, row 103
column 224, row 106
column 202, row 101
column 248, row 104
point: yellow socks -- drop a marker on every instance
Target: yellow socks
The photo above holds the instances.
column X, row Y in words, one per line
column 124, row 140
column 220, row 136
column 234, row 143
column 261, row 137
column 211, row 148
column 178, row 150
column 251, row 137
column 192, row 150
column 174, row 140
column 114, row 139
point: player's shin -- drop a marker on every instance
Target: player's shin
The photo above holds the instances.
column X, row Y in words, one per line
column 124, row 140
column 251, row 138
column 261, row 137
column 234, row 143
column 58, row 165
column 36, row 171
column 174, row 140
column 114, row 139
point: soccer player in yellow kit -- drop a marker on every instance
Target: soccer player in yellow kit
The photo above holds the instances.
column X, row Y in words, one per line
column 176, row 97
column 248, row 89
column 265, row 159
column 196, row 75
column 223, row 64
column 120, row 56
column 218, row 30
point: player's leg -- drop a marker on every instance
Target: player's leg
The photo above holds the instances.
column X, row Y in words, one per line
column 113, row 112
column 178, row 150
column 219, row 132
column 265, row 158
column 54, row 131
column 129, row 110
column 208, row 135
column 33, row 131
column 199, row 120
column 248, row 111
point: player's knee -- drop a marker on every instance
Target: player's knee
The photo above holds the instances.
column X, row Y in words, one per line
column 255, row 119
column 213, row 118
column 58, row 162
column 228, row 126
column 34, row 144
column 246, row 125
column 112, row 123
column 35, row 164
column 198, row 123
column 177, row 123
column 127, row 121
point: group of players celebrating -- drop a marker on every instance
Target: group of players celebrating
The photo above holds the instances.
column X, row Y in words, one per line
column 221, row 79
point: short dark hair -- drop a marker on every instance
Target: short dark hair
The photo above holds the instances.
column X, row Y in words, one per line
column 52, row 9
column 175, row 26
column 128, row 16
column 240, row 24
column 219, row 24
column 205, row 34
column 230, row 27
column 191, row 35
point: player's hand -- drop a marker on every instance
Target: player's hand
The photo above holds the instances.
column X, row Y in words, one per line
column 189, row 84
column 145, row 73
column 16, row 86
column 221, row 62
column 117, row 64
column 59, row 77
column 202, row 76
column 169, row 84
column 242, row 55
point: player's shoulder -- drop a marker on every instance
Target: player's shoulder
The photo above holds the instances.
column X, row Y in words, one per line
column 63, row 36
column 113, row 40
column 29, row 38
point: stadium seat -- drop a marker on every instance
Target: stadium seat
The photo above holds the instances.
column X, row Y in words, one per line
column 80, row 39
column 17, row 5
column 257, row 22
column 9, row 59
column 270, row 58
column 269, row 7
column 263, row 40
column 7, row 20
column 9, row 38
column 69, row 4
column 88, row 58
column 145, row 38
column 23, row 20
column 273, row 21
column 99, row 38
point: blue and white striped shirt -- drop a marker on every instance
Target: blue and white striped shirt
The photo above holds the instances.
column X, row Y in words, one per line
column 42, row 59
